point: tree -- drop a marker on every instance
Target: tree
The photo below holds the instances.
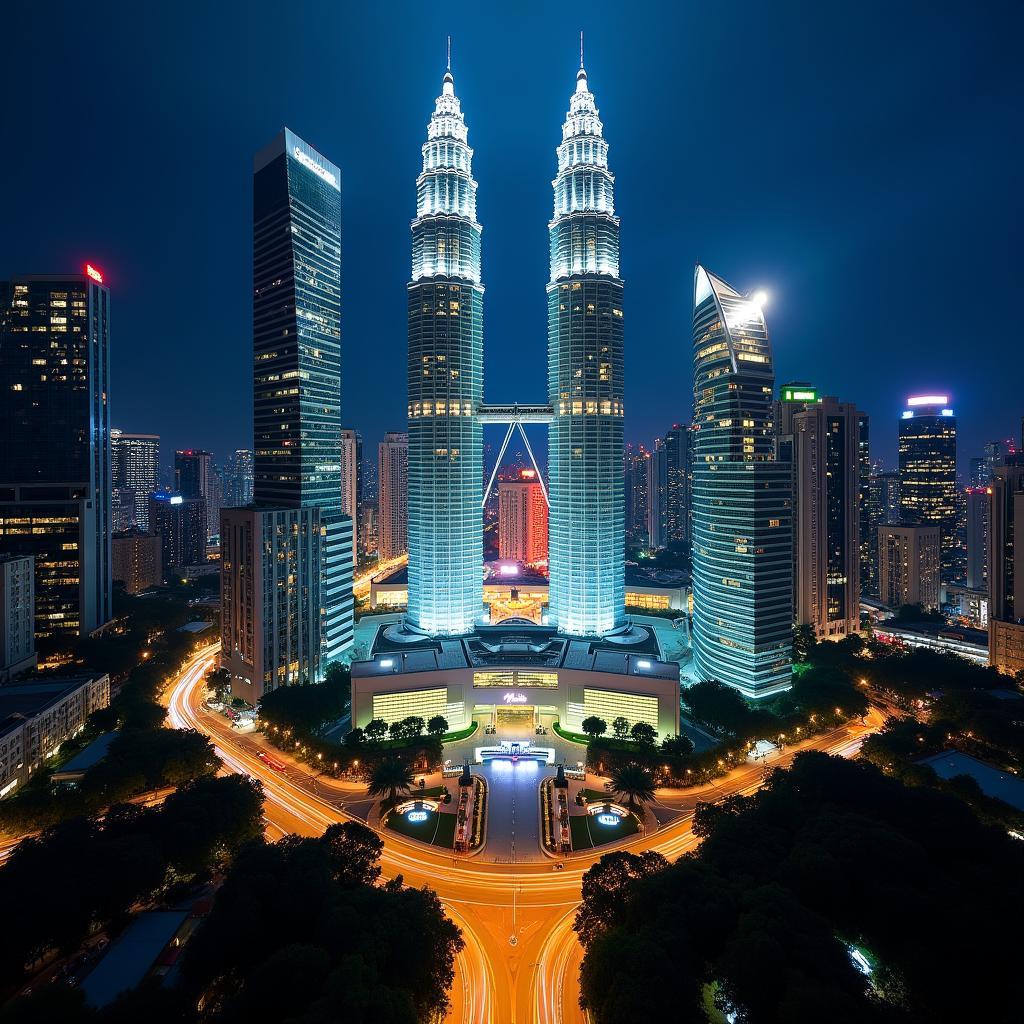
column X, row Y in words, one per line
column 389, row 778
column 354, row 852
column 437, row 725
column 717, row 706
column 412, row 727
column 605, row 886
column 396, row 730
column 644, row 734
column 593, row 726
column 376, row 729
column 804, row 643
column 620, row 726
column 677, row 746
column 632, row 783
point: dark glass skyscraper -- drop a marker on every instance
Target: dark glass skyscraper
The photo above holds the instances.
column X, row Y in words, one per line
column 742, row 499
column 297, row 353
column 927, row 451
column 585, row 382
column 446, row 380
column 55, row 471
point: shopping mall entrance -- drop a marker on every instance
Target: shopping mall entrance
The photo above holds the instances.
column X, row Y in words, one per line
column 521, row 718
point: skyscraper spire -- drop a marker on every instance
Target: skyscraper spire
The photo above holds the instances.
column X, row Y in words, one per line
column 581, row 48
column 449, row 53
column 585, row 390
column 445, row 375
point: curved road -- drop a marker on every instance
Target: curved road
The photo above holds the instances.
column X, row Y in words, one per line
column 520, row 964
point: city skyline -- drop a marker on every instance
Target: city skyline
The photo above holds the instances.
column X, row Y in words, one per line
column 780, row 247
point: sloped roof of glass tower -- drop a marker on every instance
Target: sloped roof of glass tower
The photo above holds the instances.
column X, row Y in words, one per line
column 745, row 330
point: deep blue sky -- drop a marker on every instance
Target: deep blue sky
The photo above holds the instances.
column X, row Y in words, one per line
column 860, row 161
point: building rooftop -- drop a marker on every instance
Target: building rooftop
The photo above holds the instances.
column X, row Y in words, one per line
column 27, row 699
column 87, row 757
column 522, row 644
column 195, row 627
column 132, row 955
column 994, row 783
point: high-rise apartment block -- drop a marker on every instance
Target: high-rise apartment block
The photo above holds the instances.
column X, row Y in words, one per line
column 677, row 446
column 352, row 479
column 978, row 513
column 927, row 451
column 55, row 475
column 657, row 496
column 237, row 484
column 393, row 496
column 135, row 470
column 138, row 560
column 17, row 615
column 523, row 519
column 194, row 477
column 742, row 499
column 908, row 565
column 1006, row 568
column 826, row 474
column 636, row 503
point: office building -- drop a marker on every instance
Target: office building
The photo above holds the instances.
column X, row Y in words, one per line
column 138, row 560
column 827, row 472
column 55, row 474
column 37, row 716
column 180, row 523
column 635, row 499
column 677, row 486
column 352, row 480
column 195, row 476
column 445, row 375
column 979, row 472
column 237, row 479
column 657, row 496
column 585, row 381
column 1006, row 568
column 271, row 630
column 867, row 538
column 978, row 510
column 297, row 359
column 523, row 520
column 996, row 454
column 17, row 615
column 908, row 565
column 742, row 499
column 393, row 496
column 135, row 469
column 927, row 451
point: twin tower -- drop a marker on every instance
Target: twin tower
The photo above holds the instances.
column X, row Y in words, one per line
column 446, row 383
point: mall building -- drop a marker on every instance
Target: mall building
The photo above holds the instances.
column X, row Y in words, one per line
column 517, row 673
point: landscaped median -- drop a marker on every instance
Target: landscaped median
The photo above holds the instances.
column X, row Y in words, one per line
column 423, row 820
column 590, row 819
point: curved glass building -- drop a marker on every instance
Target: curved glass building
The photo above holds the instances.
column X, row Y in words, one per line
column 587, row 519
column 742, row 499
column 445, row 383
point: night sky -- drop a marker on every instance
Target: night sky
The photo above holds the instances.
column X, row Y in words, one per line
column 862, row 162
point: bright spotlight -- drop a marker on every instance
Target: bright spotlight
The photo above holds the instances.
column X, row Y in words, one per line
column 759, row 298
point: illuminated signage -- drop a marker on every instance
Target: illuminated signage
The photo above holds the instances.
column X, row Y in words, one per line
column 416, row 816
column 509, row 570
column 176, row 499
column 321, row 172
column 92, row 272
column 916, row 400
column 514, row 698
column 607, row 819
column 799, row 395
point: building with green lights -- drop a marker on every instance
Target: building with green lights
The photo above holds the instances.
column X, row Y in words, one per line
column 742, row 499
column 585, row 382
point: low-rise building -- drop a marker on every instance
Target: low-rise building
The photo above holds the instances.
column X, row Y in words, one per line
column 37, row 716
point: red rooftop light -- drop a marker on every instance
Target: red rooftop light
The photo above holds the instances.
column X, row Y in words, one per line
column 92, row 272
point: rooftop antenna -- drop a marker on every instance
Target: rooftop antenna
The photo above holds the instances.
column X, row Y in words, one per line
column 581, row 47
column 449, row 53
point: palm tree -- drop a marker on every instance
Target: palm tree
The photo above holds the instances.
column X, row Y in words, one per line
column 388, row 779
column 632, row 783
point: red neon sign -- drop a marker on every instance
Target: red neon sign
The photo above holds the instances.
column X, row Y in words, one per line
column 92, row 272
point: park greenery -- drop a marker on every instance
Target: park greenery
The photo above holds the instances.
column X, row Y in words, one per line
column 87, row 874
column 760, row 922
column 302, row 931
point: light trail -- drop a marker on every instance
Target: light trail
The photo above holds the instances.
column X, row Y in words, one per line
column 535, row 980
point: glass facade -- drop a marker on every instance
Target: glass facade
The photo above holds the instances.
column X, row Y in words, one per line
column 135, row 464
column 297, row 357
column 55, row 457
column 927, row 452
column 446, row 379
column 585, row 382
column 742, row 499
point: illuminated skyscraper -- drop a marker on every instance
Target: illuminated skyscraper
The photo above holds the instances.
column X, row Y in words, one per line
column 742, row 501
column 135, row 466
column 393, row 496
column 523, row 519
column 585, row 381
column 297, row 352
column 55, row 479
column 927, row 446
column 1006, row 568
column 446, row 377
